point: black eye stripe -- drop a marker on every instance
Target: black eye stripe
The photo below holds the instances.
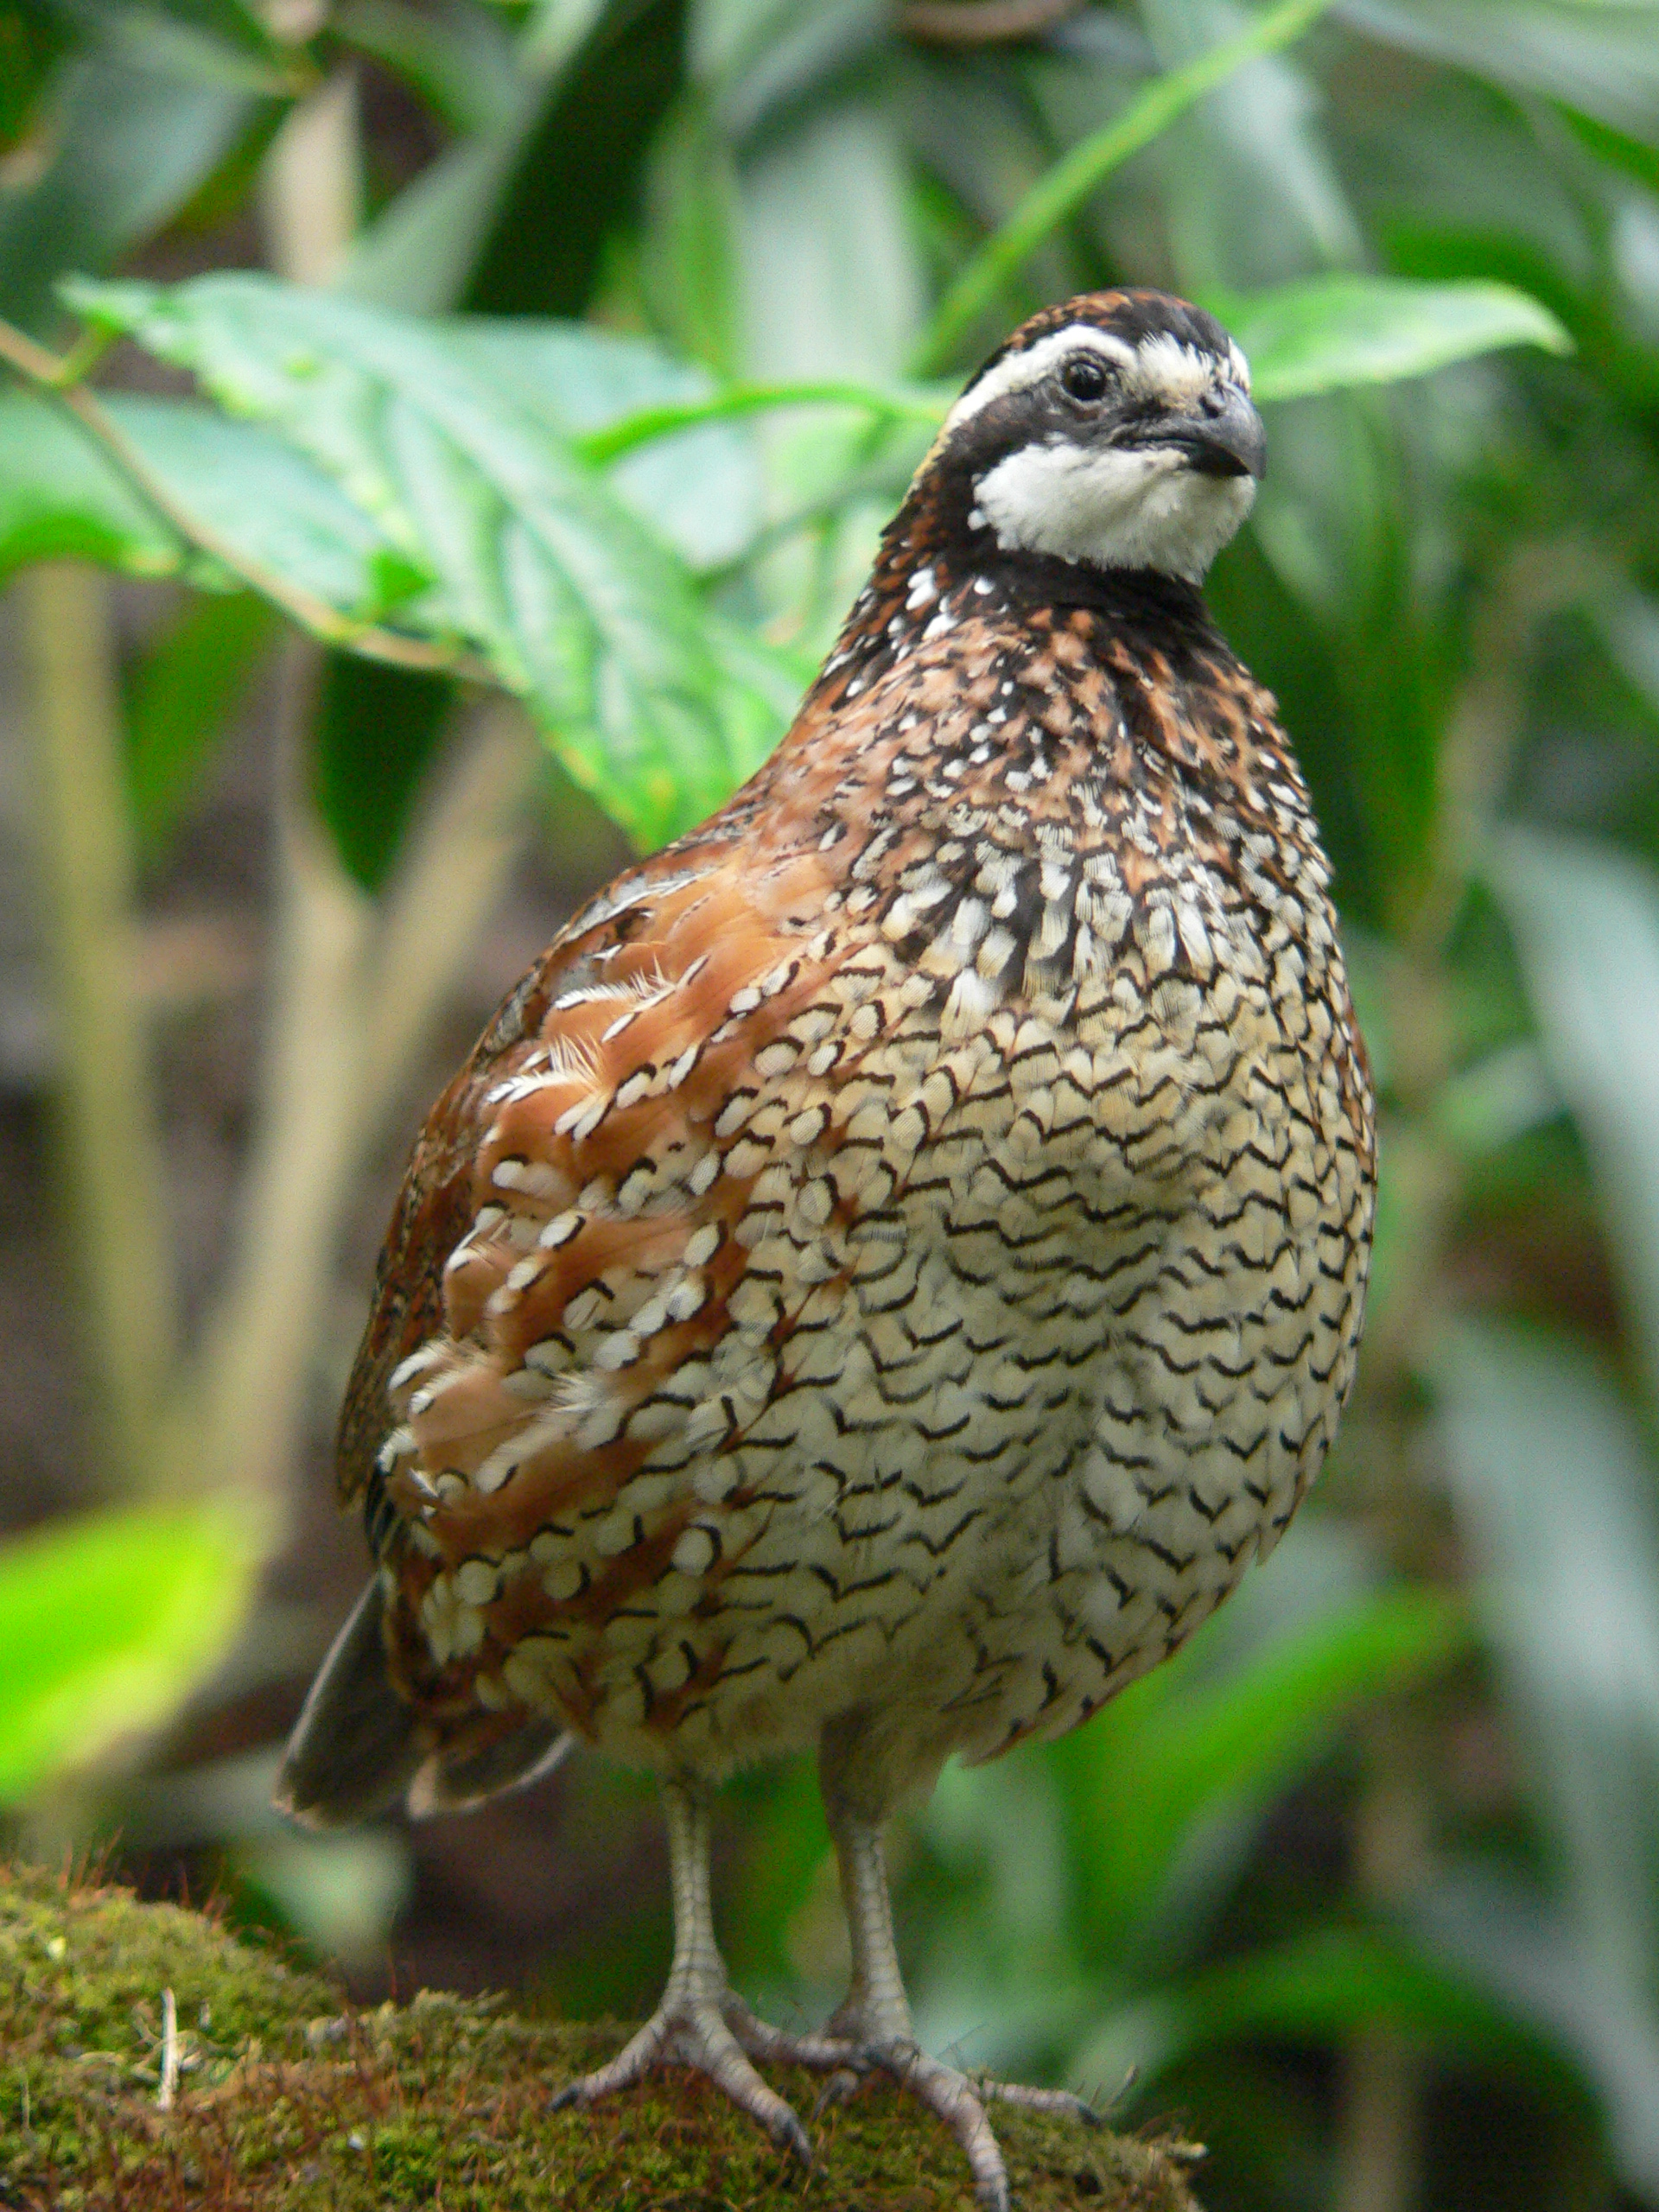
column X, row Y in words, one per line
column 1085, row 377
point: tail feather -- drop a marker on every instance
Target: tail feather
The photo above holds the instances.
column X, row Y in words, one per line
column 358, row 1748
column 357, row 1745
column 461, row 1774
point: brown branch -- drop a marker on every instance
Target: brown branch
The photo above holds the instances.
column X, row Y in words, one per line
column 357, row 990
column 981, row 23
column 111, row 1149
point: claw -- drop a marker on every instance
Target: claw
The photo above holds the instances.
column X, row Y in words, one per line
column 838, row 2087
column 1062, row 2103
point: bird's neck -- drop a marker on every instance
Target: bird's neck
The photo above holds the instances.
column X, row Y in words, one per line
column 937, row 562
column 969, row 682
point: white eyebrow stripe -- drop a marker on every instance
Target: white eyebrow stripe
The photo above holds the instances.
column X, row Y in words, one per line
column 1174, row 370
column 1020, row 371
column 1161, row 363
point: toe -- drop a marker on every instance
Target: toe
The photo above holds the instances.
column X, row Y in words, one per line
column 693, row 2034
column 824, row 2053
column 838, row 2088
column 951, row 2096
column 1061, row 2103
column 634, row 2061
column 719, row 2055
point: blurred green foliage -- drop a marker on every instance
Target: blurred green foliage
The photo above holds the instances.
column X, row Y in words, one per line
column 1383, row 1843
column 106, row 1622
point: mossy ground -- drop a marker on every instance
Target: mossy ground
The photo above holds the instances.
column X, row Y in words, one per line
column 288, row 2103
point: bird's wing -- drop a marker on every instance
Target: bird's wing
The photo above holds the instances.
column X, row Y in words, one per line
column 565, row 1294
column 587, row 1051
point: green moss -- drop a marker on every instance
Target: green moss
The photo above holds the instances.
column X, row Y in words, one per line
column 289, row 2103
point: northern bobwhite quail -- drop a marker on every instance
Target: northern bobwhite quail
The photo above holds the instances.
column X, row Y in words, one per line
column 899, row 1254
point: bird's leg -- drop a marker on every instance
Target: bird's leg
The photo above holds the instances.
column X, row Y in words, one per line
column 875, row 2009
column 876, row 2017
column 694, row 2024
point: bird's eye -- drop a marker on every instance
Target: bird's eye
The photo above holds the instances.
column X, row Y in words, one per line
column 1084, row 377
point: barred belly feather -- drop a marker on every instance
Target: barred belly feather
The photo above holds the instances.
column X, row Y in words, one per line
column 916, row 1229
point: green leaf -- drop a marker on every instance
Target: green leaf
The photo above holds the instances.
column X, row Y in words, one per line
column 1600, row 59
column 1585, row 920
column 1554, row 1487
column 1320, row 1987
column 418, row 254
column 105, row 1624
column 222, row 47
column 1082, row 170
column 828, row 298
column 31, row 46
column 1332, row 1980
column 182, row 697
column 891, row 403
column 568, row 205
column 458, row 61
column 269, row 516
column 650, row 702
column 785, row 1841
column 1251, row 183
column 1171, row 1753
column 129, row 146
column 421, row 252
column 269, row 512
column 694, row 477
column 377, row 730
column 1542, row 1969
column 63, row 499
column 1334, row 331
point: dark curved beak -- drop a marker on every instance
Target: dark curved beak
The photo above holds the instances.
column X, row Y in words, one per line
column 1224, row 437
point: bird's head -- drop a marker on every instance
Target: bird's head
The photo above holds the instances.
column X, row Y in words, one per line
column 1115, row 430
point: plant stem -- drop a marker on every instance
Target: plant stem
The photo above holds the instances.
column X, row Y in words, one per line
column 1086, row 166
column 310, row 188
column 356, row 994
column 457, row 860
column 356, row 987
column 1382, row 2080
column 112, row 1154
column 247, row 1398
column 257, row 1355
column 1379, row 2148
column 893, row 404
column 50, row 375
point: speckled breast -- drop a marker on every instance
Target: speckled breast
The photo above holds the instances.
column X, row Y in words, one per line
column 906, row 1248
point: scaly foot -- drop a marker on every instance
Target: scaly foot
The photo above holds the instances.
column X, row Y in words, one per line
column 692, row 2032
column 959, row 2100
column 874, row 2019
column 823, row 2051
column 717, row 2036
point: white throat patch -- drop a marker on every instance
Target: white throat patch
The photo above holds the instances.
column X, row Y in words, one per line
column 1113, row 507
